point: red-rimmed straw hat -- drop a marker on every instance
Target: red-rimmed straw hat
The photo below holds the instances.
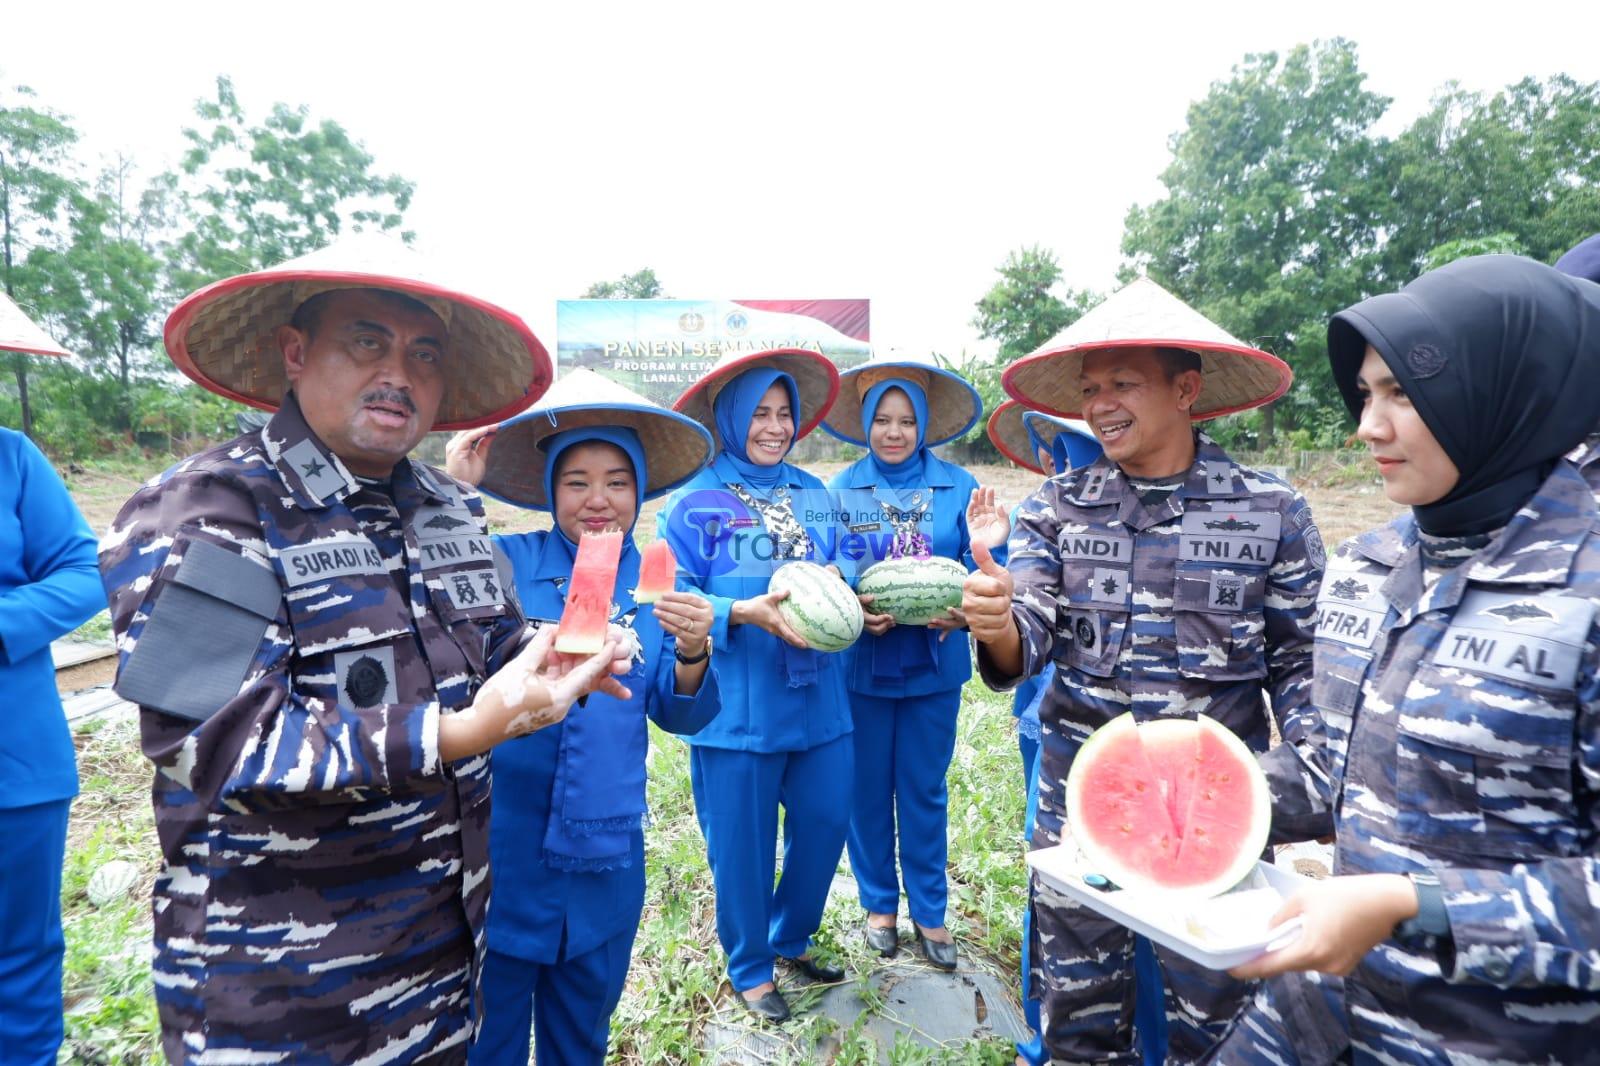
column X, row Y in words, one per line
column 223, row 335
column 814, row 375
column 1008, row 432
column 19, row 333
column 1236, row 377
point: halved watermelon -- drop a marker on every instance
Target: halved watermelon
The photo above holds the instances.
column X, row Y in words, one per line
column 658, row 572
column 1173, row 805
column 594, row 579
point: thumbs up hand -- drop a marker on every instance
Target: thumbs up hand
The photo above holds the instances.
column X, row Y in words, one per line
column 986, row 598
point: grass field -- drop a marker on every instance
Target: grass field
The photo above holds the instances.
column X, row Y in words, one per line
column 676, row 982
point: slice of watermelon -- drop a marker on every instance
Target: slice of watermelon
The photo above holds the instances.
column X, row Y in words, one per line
column 658, row 572
column 1202, row 787
column 594, row 579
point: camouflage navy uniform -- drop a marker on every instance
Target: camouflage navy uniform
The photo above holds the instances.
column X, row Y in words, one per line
column 1463, row 724
column 293, row 636
column 1586, row 457
column 1199, row 603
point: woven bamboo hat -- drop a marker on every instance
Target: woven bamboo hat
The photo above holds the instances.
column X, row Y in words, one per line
column 814, row 374
column 1008, row 432
column 1142, row 314
column 954, row 406
column 222, row 335
column 676, row 447
column 18, row 333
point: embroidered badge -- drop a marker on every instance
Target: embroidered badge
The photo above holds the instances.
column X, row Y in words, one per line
column 1109, row 586
column 1424, row 361
column 366, row 677
column 1225, row 593
column 1096, row 486
column 319, row 478
column 468, row 589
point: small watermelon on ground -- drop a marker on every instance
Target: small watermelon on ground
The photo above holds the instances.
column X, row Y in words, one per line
column 913, row 591
column 1174, row 805
column 588, row 608
column 820, row 607
column 111, row 882
column 658, row 571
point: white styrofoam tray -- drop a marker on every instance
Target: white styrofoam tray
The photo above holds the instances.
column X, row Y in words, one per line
column 1220, row 933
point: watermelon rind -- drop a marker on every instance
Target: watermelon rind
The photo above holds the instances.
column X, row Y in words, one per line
column 820, row 607
column 1099, row 853
column 913, row 591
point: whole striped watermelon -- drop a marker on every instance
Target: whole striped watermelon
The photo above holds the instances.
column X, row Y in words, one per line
column 820, row 607
column 913, row 591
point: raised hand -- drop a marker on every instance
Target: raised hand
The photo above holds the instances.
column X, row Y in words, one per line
column 466, row 456
column 987, row 522
column 986, row 598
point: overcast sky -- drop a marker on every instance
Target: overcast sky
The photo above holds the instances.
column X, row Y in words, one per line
column 753, row 150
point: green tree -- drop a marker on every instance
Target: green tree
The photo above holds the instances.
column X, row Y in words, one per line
column 257, row 194
column 640, row 285
column 1024, row 308
column 36, row 184
column 1518, row 171
column 1270, row 218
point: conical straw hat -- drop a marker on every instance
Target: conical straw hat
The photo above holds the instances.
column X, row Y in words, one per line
column 1142, row 314
column 676, row 447
column 18, row 333
column 222, row 335
column 814, row 375
column 1008, row 432
column 954, row 406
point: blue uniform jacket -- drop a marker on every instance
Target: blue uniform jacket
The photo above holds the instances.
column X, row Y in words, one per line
column 952, row 488
column 760, row 712
column 533, row 903
column 49, row 585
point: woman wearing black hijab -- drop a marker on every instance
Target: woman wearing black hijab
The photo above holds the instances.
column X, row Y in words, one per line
column 1458, row 672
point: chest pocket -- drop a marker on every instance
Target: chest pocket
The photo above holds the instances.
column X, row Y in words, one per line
column 1351, row 613
column 346, row 611
column 1219, row 592
column 1093, row 609
column 1486, row 730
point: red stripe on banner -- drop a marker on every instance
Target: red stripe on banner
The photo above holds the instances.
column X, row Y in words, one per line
column 849, row 317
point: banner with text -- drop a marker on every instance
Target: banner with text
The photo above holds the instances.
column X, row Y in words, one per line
column 658, row 348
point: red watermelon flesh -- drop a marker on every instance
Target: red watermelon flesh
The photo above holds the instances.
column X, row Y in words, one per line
column 658, row 572
column 1212, row 799
column 588, row 610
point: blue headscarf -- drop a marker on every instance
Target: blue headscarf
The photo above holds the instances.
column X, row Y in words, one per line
column 1071, row 450
column 1583, row 260
column 733, row 410
column 1036, row 442
column 910, row 470
column 597, row 796
column 735, row 407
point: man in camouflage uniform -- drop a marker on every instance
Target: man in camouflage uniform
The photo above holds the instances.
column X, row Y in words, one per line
column 307, row 619
column 1164, row 579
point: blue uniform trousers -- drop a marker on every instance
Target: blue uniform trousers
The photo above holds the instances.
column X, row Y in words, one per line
column 566, row 1005
column 903, row 750
column 1149, row 1011
column 31, row 944
column 736, row 797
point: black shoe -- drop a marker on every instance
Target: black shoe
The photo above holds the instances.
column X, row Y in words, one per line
column 884, row 939
column 771, row 1007
column 817, row 971
column 937, row 952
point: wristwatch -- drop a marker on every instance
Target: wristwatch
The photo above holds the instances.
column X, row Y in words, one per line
column 1431, row 919
column 690, row 660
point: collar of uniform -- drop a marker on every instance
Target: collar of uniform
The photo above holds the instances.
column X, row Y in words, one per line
column 1100, row 483
column 936, row 474
column 1541, row 541
column 427, row 481
column 1214, row 475
column 313, row 475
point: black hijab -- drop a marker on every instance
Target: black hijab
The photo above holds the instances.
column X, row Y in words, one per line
column 1500, row 355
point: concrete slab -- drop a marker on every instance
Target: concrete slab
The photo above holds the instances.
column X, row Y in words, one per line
column 65, row 653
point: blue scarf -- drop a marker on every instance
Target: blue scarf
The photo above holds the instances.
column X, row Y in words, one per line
column 597, row 796
column 734, row 409
column 904, row 651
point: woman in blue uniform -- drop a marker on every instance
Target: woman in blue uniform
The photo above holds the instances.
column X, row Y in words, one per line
column 1458, row 676
column 905, row 681
column 49, row 585
column 565, row 839
column 783, row 737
